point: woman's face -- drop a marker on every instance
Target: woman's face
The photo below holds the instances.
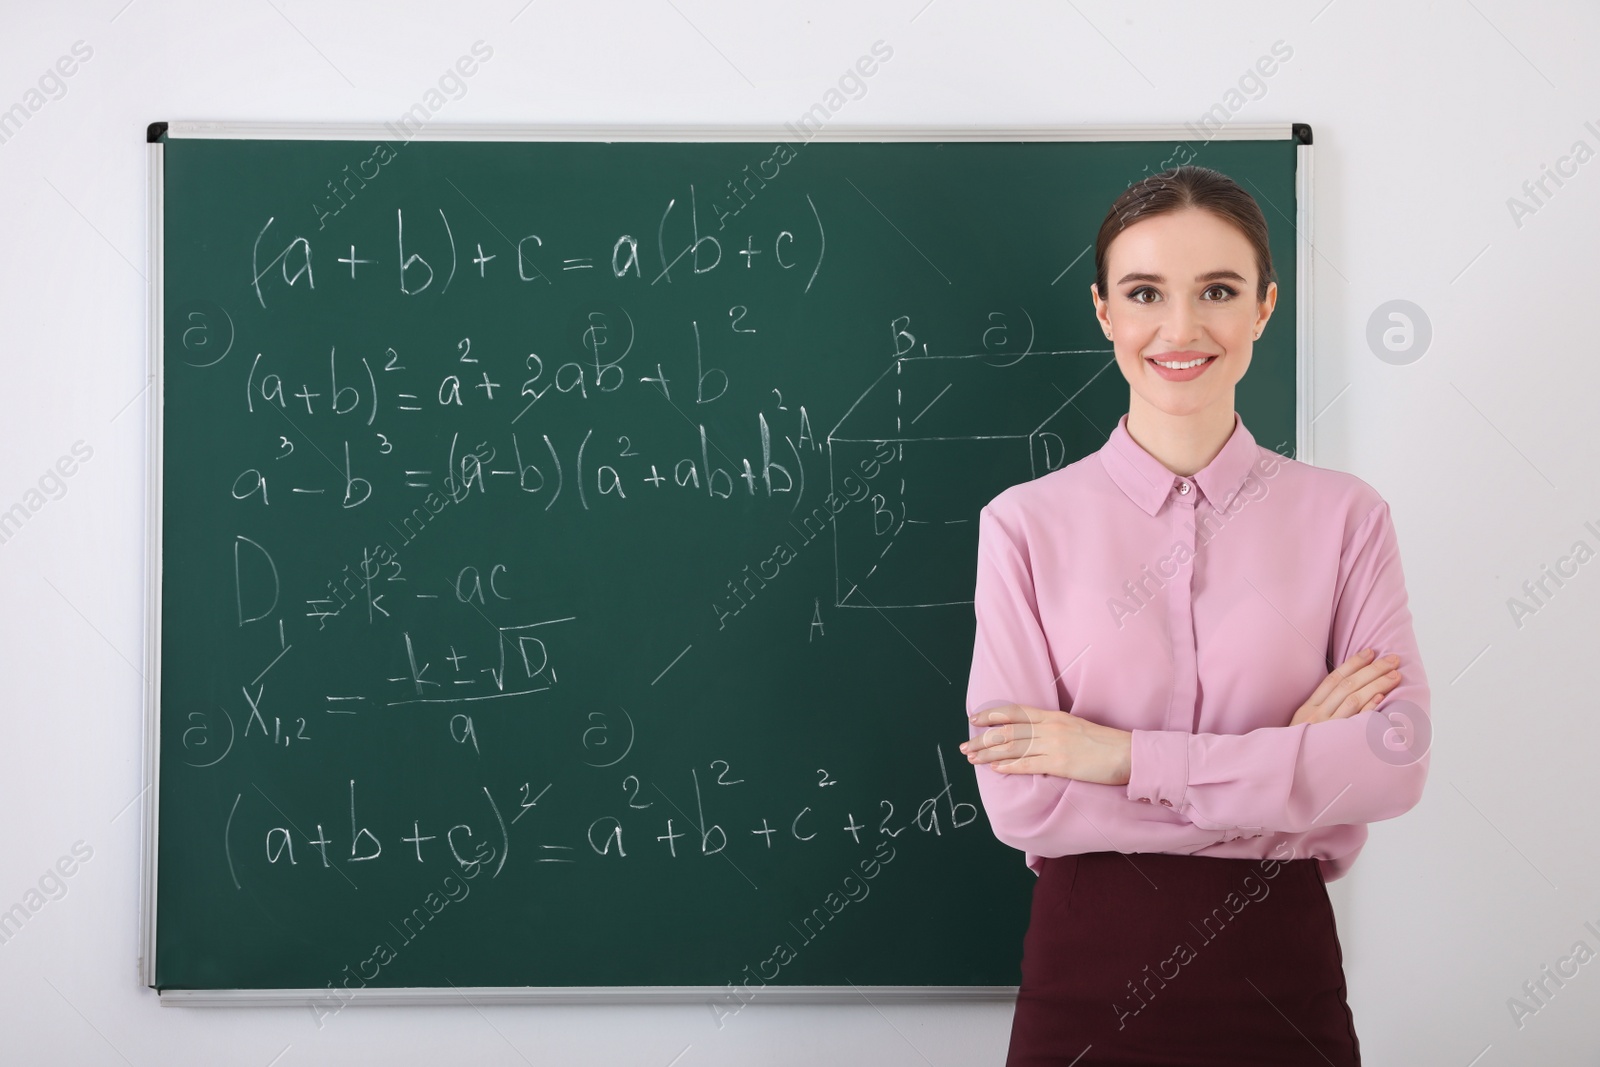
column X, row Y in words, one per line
column 1182, row 287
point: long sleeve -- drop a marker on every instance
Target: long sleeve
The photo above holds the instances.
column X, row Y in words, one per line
column 1043, row 815
column 1294, row 778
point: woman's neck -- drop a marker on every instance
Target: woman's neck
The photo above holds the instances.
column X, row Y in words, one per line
column 1184, row 444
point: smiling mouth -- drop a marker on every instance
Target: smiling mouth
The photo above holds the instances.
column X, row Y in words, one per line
column 1183, row 364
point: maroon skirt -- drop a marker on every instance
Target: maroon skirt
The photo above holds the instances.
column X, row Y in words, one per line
column 1161, row 959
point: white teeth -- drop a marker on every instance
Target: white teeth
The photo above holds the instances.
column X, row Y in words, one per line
column 1182, row 366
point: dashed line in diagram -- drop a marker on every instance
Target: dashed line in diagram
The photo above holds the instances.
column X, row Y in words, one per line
column 964, row 428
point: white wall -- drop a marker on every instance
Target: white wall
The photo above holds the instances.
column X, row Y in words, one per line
column 1428, row 121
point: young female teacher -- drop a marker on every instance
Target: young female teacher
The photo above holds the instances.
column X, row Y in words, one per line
column 1193, row 657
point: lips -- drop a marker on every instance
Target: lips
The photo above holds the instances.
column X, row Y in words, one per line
column 1183, row 374
column 1186, row 356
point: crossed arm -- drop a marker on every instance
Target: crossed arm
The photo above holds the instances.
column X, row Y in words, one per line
column 1333, row 764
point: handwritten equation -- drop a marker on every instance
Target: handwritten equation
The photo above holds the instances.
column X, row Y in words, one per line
column 652, row 823
column 387, row 498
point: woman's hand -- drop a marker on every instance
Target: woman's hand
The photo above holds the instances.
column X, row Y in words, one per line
column 1357, row 685
column 1024, row 740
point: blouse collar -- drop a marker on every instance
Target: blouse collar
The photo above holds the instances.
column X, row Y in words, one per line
column 1148, row 482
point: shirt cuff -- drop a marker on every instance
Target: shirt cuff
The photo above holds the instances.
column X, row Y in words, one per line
column 1158, row 769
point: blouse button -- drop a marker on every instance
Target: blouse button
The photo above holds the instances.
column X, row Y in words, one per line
column 1144, row 800
column 1167, row 802
column 1183, row 487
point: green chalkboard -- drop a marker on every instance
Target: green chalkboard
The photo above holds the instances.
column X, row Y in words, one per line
column 566, row 546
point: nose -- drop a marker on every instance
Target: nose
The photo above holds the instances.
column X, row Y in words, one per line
column 1181, row 325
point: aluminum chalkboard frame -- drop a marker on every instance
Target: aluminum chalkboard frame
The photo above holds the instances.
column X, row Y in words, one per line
column 160, row 132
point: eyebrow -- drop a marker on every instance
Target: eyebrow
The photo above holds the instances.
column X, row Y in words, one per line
column 1210, row 276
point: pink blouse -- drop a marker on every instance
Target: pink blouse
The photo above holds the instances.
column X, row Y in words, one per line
column 1198, row 613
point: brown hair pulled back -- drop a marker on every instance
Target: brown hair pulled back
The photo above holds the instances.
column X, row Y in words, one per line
column 1187, row 187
